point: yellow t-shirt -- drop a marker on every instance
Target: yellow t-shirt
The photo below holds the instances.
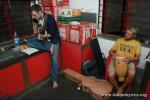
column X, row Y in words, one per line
column 128, row 48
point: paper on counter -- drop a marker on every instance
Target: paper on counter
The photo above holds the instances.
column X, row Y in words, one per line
column 30, row 50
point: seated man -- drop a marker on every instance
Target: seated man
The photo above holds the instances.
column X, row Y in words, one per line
column 129, row 50
column 46, row 37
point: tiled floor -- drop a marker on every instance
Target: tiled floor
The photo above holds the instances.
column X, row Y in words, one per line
column 67, row 90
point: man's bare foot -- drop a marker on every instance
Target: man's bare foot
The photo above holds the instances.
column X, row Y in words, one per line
column 55, row 84
column 119, row 92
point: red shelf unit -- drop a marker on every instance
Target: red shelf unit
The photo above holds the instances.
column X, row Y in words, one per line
column 73, row 55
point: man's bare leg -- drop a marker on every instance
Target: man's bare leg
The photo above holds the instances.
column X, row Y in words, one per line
column 55, row 84
column 129, row 79
column 112, row 79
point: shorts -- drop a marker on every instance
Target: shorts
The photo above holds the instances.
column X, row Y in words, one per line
column 111, row 67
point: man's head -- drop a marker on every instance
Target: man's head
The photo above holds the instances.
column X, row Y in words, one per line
column 131, row 33
column 37, row 12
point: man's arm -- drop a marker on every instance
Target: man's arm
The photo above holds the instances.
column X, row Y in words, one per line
column 113, row 53
column 43, row 37
column 35, row 29
column 138, row 53
column 136, row 58
column 46, row 35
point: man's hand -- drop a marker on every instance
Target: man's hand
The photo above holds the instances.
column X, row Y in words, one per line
column 35, row 28
column 115, row 55
column 43, row 37
column 126, row 59
column 40, row 37
column 47, row 35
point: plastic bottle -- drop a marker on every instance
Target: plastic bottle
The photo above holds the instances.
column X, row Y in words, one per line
column 16, row 41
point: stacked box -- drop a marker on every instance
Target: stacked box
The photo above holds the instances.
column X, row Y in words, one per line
column 65, row 12
column 52, row 6
column 93, row 31
column 69, row 12
column 63, row 3
column 82, row 33
column 75, row 33
column 49, row 2
column 64, row 31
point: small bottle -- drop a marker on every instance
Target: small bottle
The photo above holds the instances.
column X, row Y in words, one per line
column 16, row 41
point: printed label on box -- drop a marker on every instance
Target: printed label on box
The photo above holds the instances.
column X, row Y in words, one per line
column 74, row 36
column 64, row 31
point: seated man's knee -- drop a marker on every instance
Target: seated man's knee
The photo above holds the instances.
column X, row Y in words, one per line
column 131, row 71
column 111, row 75
column 131, row 74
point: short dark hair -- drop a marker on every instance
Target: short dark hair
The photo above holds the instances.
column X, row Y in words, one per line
column 36, row 7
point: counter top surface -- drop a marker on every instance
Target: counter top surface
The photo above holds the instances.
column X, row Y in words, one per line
column 9, row 58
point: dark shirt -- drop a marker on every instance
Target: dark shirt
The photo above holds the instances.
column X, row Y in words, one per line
column 53, row 29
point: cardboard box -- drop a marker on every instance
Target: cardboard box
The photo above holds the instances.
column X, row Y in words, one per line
column 58, row 3
column 63, row 3
column 52, row 6
column 82, row 33
column 49, row 3
column 75, row 33
column 65, row 12
column 69, row 12
column 64, row 31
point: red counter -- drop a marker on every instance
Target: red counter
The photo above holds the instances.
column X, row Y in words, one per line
column 11, row 80
column 38, row 67
column 25, row 73
column 16, row 78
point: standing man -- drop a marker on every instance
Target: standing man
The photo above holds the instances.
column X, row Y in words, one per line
column 46, row 37
column 129, row 50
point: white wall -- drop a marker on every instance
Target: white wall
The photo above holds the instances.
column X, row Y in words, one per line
column 106, row 45
column 85, row 5
column 91, row 6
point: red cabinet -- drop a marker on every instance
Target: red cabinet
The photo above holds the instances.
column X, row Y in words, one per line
column 38, row 67
column 73, row 55
column 11, row 80
column 22, row 75
column 30, row 71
